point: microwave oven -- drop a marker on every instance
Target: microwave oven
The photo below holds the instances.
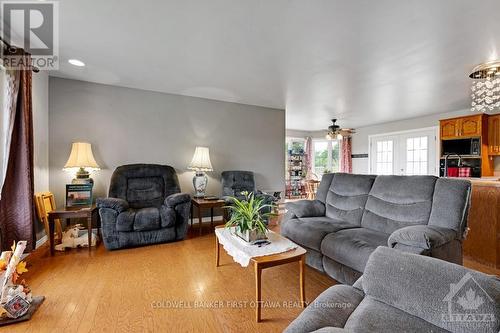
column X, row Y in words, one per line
column 463, row 147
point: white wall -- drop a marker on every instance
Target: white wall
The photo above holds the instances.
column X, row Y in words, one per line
column 136, row 126
column 291, row 133
column 360, row 141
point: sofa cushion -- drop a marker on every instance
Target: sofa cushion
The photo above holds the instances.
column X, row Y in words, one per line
column 451, row 204
column 332, row 308
column 347, row 196
column 147, row 219
column 235, row 182
column 125, row 220
column 143, row 185
column 395, row 202
column 431, row 289
column 374, row 316
column 310, row 231
column 306, row 208
column 352, row 247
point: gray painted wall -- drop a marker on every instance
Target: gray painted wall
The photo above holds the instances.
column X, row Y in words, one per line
column 136, row 126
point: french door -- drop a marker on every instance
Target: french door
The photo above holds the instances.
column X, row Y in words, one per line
column 405, row 153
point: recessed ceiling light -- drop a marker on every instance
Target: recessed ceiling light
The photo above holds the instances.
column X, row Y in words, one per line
column 76, row 62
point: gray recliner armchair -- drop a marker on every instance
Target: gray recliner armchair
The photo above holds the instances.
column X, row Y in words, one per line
column 236, row 182
column 144, row 207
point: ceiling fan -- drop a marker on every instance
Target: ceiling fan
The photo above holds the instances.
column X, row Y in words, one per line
column 335, row 132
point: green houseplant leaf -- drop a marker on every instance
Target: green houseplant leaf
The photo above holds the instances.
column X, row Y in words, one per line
column 249, row 214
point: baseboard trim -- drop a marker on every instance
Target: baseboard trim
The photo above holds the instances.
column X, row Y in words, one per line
column 218, row 218
column 41, row 241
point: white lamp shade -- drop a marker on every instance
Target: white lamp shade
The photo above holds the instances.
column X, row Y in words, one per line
column 81, row 157
column 201, row 160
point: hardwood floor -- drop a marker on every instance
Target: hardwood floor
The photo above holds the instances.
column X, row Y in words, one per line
column 171, row 287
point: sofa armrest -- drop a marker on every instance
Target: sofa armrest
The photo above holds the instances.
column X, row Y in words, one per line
column 421, row 236
column 306, row 208
column 116, row 204
column 268, row 198
column 177, row 199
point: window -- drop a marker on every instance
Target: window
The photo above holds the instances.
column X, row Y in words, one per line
column 404, row 153
column 326, row 157
column 416, row 155
column 385, row 157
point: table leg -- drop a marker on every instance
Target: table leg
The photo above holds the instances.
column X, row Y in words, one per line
column 211, row 218
column 191, row 215
column 199, row 218
column 258, row 275
column 89, row 227
column 51, row 235
column 217, row 251
column 302, row 281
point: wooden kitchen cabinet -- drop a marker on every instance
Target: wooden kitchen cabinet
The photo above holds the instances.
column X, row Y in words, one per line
column 449, row 128
column 494, row 135
column 470, row 126
column 474, row 126
column 463, row 127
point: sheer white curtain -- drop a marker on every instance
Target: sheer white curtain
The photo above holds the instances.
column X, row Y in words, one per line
column 9, row 87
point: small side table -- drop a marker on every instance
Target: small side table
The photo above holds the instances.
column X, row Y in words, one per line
column 200, row 204
column 89, row 213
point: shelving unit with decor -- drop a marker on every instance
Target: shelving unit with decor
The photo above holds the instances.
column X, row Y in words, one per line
column 295, row 186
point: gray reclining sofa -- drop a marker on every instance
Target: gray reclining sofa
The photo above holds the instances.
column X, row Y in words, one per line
column 354, row 214
column 404, row 292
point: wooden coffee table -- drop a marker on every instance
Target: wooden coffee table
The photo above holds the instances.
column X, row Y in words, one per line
column 268, row 261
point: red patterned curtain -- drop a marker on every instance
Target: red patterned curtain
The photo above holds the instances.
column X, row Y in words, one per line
column 16, row 201
column 346, row 159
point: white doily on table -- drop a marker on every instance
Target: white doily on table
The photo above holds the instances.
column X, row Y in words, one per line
column 242, row 251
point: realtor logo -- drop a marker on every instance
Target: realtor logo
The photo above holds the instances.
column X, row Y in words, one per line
column 33, row 26
column 469, row 304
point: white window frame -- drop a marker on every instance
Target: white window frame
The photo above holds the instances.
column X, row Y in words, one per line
column 329, row 148
column 398, row 144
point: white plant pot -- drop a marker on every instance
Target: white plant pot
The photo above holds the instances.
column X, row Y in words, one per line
column 250, row 236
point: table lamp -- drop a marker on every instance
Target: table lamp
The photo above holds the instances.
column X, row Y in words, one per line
column 82, row 161
column 200, row 163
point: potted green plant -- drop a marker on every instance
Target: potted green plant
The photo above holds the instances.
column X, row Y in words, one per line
column 248, row 216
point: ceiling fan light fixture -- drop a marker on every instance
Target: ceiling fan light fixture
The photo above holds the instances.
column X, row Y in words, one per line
column 338, row 133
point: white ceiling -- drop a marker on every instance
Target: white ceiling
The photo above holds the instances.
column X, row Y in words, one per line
column 362, row 61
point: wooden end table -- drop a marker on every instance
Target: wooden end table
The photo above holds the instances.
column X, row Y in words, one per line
column 89, row 213
column 263, row 262
column 200, row 204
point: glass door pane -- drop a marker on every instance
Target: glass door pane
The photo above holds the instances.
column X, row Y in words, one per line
column 419, row 153
column 383, row 156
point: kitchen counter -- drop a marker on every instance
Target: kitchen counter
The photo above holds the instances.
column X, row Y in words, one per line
column 483, row 181
column 482, row 243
